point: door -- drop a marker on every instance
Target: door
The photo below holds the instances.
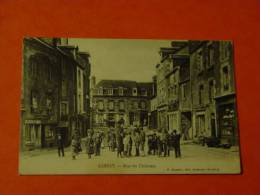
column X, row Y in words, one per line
column 213, row 125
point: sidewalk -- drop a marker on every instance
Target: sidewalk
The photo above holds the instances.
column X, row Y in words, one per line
column 42, row 151
column 234, row 150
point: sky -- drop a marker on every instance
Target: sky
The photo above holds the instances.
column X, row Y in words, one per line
column 122, row 59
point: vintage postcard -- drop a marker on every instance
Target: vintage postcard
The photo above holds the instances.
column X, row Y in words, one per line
column 128, row 106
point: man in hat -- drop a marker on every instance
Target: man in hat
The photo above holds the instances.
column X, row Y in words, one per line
column 60, row 146
column 176, row 141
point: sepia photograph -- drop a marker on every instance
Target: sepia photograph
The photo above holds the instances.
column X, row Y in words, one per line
column 128, row 106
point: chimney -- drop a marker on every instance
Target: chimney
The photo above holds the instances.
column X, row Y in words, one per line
column 93, row 82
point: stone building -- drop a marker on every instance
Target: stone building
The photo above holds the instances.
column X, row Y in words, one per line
column 117, row 102
column 213, row 90
column 203, row 62
column 226, row 94
column 48, row 100
column 153, row 114
column 162, row 71
column 173, row 91
column 80, row 120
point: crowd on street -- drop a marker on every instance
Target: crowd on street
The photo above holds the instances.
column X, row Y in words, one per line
column 125, row 142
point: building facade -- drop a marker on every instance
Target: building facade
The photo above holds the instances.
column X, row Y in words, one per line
column 204, row 59
column 48, row 100
column 213, row 90
column 226, row 94
column 117, row 102
column 173, row 91
column 196, row 90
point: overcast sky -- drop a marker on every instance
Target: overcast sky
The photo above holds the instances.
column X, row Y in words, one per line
column 124, row 59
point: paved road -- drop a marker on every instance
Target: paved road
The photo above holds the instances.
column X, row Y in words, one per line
column 195, row 159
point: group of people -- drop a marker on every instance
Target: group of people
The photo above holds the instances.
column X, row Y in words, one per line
column 126, row 142
column 92, row 144
column 162, row 144
column 159, row 143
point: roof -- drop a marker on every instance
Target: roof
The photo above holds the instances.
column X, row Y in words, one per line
column 122, row 83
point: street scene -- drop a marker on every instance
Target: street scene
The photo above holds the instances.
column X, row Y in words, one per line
column 122, row 106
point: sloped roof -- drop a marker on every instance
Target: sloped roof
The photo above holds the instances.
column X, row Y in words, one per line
column 116, row 84
column 122, row 83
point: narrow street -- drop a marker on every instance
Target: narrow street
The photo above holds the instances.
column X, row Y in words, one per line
column 195, row 159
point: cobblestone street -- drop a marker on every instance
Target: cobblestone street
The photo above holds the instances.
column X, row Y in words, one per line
column 195, row 158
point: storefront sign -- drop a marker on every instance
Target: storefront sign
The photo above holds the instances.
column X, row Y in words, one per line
column 33, row 122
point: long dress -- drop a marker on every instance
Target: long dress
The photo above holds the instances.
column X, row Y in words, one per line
column 89, row 145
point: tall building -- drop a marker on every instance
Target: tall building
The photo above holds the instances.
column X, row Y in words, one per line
column 226, row 94
column 124, row 102
column 213, row 90
column 153, row 114
column 49, row 89
column 80, row 120
column 204, row 59
column 162, row 71
column 173, row 88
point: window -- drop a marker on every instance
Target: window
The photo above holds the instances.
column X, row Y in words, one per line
column 143, row 92
column 28, row 132
column 79, row 78
column 110, row 91
column 49, row 104
column 200, row 125
column 111, row 105
column 49, row 73
column 201, row 92
column 225, row 75
column 210, row 56
column 34, row 101
column 64, row 110
column 199, row 61
column 135, row 104
column 211, row 91
column 101, row 105
column 143, row 106
column 115, row 92
column 175, row 89
column 134, row 92
column 121, row 105
column 100, row 118
column 111, row 117
column 64, row 88
column 80, row 104
column 121, row 91
column 226, row 51
column 184, row 91
column 34, row 67
column 49, row 132
column 100, row 91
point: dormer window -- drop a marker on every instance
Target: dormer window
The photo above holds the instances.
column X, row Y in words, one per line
column 110, row 91
column 134, row 91
column 100, row 91
column 199, row 62
column 121, row 91
column 143, row 92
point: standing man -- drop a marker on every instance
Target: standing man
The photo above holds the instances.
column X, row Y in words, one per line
column 137, row 141
column 142, row 139
column 164, row 143
column 176, row 138
column 97, row 143
column 120, row 144
column 89, row 144
column 60, row 146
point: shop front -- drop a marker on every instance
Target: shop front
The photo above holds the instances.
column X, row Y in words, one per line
column 227, row 119
column 39, row 134
column 162, row 118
